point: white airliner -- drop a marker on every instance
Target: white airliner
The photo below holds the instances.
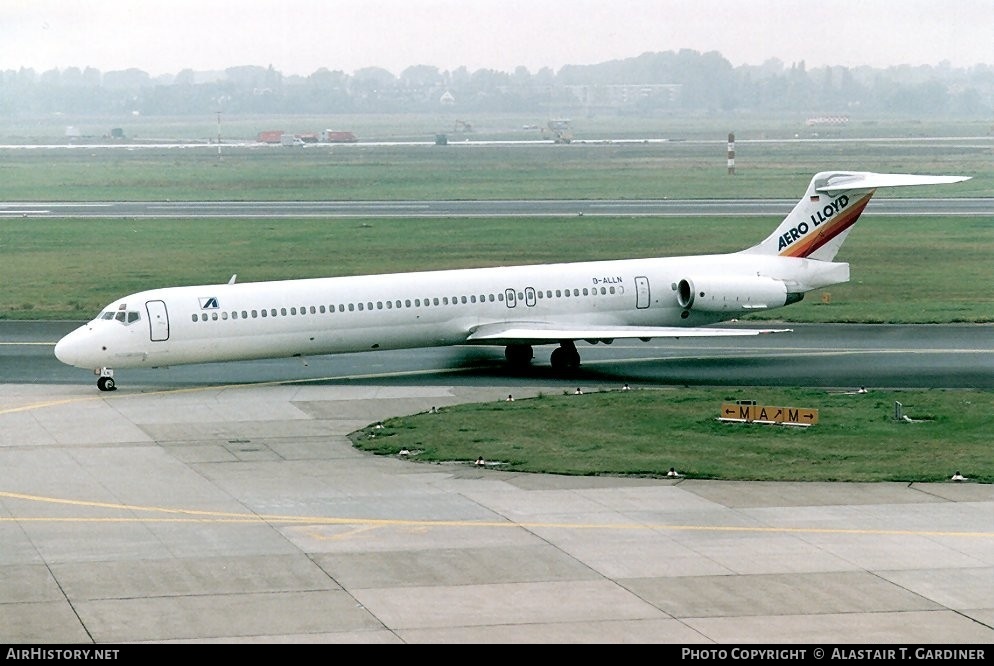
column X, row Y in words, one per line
column 511, row 306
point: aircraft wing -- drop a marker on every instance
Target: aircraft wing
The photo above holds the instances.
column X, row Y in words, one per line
column 538, row 333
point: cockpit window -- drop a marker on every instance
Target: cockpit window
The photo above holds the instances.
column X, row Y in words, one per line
column 125, row 317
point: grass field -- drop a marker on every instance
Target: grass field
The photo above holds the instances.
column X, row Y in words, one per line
column 913, row 270
column 647, row 431
column 69, row 269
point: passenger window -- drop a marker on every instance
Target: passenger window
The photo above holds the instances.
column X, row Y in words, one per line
column 194, row 317
column 264, row 314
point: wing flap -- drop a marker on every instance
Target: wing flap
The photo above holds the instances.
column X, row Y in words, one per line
column 544, row 333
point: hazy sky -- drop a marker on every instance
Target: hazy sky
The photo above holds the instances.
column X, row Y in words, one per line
column 301, row 36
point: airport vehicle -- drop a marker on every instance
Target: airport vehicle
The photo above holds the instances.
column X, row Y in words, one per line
column 517, row 307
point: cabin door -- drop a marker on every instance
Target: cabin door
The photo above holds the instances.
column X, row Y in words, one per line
column 158, row 320
column 641, row 292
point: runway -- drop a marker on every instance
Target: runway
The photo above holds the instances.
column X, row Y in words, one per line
column 225, row 504
column 951, row 356
column 474, row 209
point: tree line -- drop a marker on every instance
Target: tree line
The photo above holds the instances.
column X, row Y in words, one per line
column 649, row 84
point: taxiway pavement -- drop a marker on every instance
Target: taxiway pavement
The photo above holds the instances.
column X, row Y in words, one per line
column 243, row 514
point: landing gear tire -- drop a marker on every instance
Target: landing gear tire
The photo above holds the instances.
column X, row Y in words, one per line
column 518, row 356
column 565, row 359
column 106, row 384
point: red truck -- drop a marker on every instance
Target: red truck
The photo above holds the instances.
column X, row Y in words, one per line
column 331, row 136
column 270, row 136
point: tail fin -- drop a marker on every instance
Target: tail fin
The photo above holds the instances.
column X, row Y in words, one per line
column 820, row 222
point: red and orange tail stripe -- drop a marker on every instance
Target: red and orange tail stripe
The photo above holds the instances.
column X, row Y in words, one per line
column 826, row 231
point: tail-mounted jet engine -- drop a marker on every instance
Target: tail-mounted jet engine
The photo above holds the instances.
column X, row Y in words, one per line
column 733, row 294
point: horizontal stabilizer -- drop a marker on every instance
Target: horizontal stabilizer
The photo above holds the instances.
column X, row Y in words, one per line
column 820, row 222
column 538, row 333
column 867, row 180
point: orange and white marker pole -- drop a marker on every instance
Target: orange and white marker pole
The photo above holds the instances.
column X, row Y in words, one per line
column 731, row 153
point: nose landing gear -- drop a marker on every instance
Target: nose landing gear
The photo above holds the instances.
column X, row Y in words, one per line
column 106, row 381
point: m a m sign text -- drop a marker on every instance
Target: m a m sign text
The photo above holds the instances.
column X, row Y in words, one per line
column 750, row 413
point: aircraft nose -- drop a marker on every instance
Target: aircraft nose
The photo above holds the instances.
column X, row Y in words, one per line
column 64, row 351
column 69, row 349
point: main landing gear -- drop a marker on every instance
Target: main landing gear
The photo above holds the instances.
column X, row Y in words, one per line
column 519, row 356
column 106, row 381
column 564, row 359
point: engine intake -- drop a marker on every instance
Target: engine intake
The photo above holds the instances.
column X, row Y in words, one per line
column 733, row 294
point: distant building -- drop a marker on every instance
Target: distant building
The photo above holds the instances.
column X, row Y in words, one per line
column 827, row 121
